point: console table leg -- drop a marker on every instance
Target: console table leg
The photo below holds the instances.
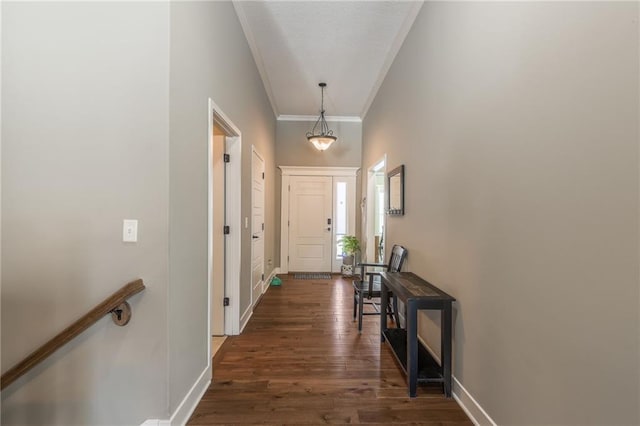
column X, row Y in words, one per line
column 360, row 312
column 412, row 347
column 384, row 302
column 445, row 339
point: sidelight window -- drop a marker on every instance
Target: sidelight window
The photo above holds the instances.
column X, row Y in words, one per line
column 341, row 228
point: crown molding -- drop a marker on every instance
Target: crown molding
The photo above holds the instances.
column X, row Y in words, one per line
column 391, row 55
column 255, row 52
column 333, row 118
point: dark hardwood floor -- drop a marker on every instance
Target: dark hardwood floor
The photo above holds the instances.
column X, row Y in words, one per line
column 300, row 360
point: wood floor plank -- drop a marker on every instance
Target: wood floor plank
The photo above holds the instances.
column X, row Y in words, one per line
column 301, row 360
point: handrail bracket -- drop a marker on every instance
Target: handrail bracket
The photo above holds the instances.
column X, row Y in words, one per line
column 121, row 314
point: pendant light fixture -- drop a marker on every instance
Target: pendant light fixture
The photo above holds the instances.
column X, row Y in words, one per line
column 324, row 138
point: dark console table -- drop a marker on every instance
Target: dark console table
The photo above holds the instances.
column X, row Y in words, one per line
column 417, row 363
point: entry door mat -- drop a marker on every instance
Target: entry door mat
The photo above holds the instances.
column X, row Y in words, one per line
column 311, row 276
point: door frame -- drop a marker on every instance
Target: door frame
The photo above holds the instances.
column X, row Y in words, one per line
column 370, row 207
column 287, row 172
column 233, row 241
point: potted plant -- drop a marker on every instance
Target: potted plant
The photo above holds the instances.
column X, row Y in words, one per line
column 350, row 248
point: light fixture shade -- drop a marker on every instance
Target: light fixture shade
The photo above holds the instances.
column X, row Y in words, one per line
column 322, row 140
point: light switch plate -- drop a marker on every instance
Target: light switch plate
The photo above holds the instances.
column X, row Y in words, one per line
column 130, row 231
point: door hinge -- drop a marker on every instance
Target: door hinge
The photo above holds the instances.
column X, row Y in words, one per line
column 262, row 175
column 289, row 188
column 226, row 230
column 226, row 158
column 225, row 301
column 263, row 226
column 288, row 223
column 262, row 277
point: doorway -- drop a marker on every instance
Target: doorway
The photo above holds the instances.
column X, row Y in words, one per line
column 224, row 242
column 318, row 207
column 376, row 218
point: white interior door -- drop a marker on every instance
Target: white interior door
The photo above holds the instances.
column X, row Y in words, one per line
column 310, row 227
column 257, row 226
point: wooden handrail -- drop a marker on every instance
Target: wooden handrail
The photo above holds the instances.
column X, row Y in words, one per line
column 69, row 333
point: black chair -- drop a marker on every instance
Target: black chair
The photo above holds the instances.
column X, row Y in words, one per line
column 367, row 286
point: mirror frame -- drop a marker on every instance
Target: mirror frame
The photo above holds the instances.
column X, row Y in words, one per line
column 399, row 211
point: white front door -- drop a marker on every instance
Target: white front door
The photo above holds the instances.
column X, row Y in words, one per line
column 257, row 226
column 310, row 227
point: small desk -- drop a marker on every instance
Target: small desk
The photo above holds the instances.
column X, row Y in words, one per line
column 417, row 363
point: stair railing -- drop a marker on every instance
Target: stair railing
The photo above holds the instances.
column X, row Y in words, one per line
column 116, row 305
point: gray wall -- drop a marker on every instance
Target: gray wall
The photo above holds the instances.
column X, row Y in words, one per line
column 209, row 58
column 105, row 118
column 85, row 145
column 518, row 126
column 293, row 149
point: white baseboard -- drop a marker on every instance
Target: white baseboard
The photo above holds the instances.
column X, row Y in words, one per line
column 428, row 348
column 266, row 284
column 470, row 406
column 244, row 319
column 192, row 398
column 466, row 401
column 155, row 422
column 188, row 404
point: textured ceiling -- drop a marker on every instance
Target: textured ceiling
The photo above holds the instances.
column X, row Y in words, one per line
column 348, row 45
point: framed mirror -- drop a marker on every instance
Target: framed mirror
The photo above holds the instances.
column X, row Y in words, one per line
column 395, row 197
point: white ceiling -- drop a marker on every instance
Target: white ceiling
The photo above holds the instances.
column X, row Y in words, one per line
column 350, row 45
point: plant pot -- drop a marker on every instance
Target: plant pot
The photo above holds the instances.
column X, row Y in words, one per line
column 347, row 265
